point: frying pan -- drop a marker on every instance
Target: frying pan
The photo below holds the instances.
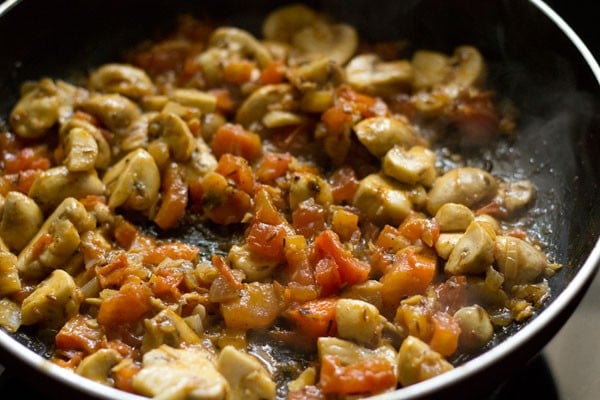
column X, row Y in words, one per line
column 534, row 58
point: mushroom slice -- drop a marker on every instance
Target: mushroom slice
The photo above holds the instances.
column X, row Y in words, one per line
column 369, row 74
column 240, row 41
column 60, row 236
column 476, row 329
column 474, row 252
column 53, row 302
column 81, row 149
column 416, row 165
column 104, row 153
column 174, row 133
column 201, row 162
column 446, row 243
column 359, row 321
column 97, row 366
column 45, row 104
column 122, row 79
column 381, row 134
column 9, row 274
column 54, row 185
column 262, row 100
column 519, row 261
column 115, row 111
column 281, row 25
column 454, row 217
column 247, row 377
column 174, row 374
column 254, row 266
column 20, row 219
column 338, row 42
column 469, row 67
column 169, row 328
column 468, row 186
column 382, row 200
column 431, row 68
column 417, row 362
column 516, row 195
column 306, row 185
column 133, row 182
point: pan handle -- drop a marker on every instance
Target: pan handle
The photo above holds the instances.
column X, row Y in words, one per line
column 6, row 5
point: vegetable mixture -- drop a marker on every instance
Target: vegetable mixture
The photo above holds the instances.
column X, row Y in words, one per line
column 344, row 240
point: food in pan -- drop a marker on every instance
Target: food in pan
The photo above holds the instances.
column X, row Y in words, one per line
column 223, row 216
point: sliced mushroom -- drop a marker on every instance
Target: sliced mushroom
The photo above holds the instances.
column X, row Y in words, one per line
column 239, row 41
column 201, row 162
column 417, row 362
column 338, row 42
column 306, row 185
column 431, row 68
column 9, row 274
column 454, row 217
column 57, row 241
column 516, row 195
column 54, row 185
column 247, row 377
column 381, row 134
column 412, row 166
column 283, row 23
column 476, row 329
column 173, row 132
column 104, row 154
column 133, row 182
column 123, row 79
column 518, row 260
column 115, row 111
column 358, row 321
column 20, row 219
column 262, row 100
column 210, row 62
column 446, row 243
column 469, row 67
column 43, row 106
column 174, row 374
column 474, row 252
column 168, row 328
column 81, row 149
column 10, row 315
column 316, row 74
column 382, row 200
column 368, row 73
column 53, row 302
column 97, row 366
column 205, row 102
column 468, row 186
column 254, row 267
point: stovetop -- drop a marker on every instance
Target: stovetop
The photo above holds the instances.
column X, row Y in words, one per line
column 568, row 368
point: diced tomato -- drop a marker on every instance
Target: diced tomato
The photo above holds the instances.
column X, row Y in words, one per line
column 174, row 251
column 315, row 318
column 296, row 255
column 20, row 181
column 264, row 209
column 351, row 269
column 327, row 276
column 273, row 166
column 308, row 218
column 372, row 375
column 296, row 293
column 343, row 185
column 125, row 234
column 446, row 332
column 127, row 306
column 225, row 103
column 25, row 159
column 273, row 73
column 114, row 273
column 345, row 224
column 237, row 169
column 234, row 139
column 267, row 240
column 238, row 72
column 77, row 334
column 174, row 197
column 40, row 245
column 257, row 305
column 409, row 275
column 221, row 265
column 390, row 239
column 452, row 293
column 309, row 392
column 164, row 283
column 196, row 191
column 337, row 119
column 418, row 227
column 124, row 374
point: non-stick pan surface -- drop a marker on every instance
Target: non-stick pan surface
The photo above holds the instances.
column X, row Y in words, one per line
column 534, row 59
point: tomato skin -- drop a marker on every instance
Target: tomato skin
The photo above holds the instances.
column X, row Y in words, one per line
column 351, row 269
column 372, row 375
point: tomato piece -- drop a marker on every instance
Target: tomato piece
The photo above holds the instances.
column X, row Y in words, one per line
column 273, row 166
column 125, row 234
column 264, row 209
column 238, row 170
column 77, row 334
column 175, row 198
column 296, row 255
column 417, row 227
column 315, row 318
column 267, row 240
column 225, row 103
column 25, row 159
column 234, row 139
column 351, row 269
column 238, row 72
column 372, row 375
column 20, row 181
column 164, row 283
column 446, row 332
column 409, row 275
column 256, row 306
column 337, row 119
column 114, row 273
column 343, row 185
column 345, row 224
column 390, row 239
column 327, row 276
column 273, row 73
column 221, row 265
column 452, row 293
column 308, row 219
column 174, row 251
column 123, row 375
column 127, row 306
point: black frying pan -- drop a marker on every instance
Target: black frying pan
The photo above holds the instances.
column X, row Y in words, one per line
column 534, row 59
